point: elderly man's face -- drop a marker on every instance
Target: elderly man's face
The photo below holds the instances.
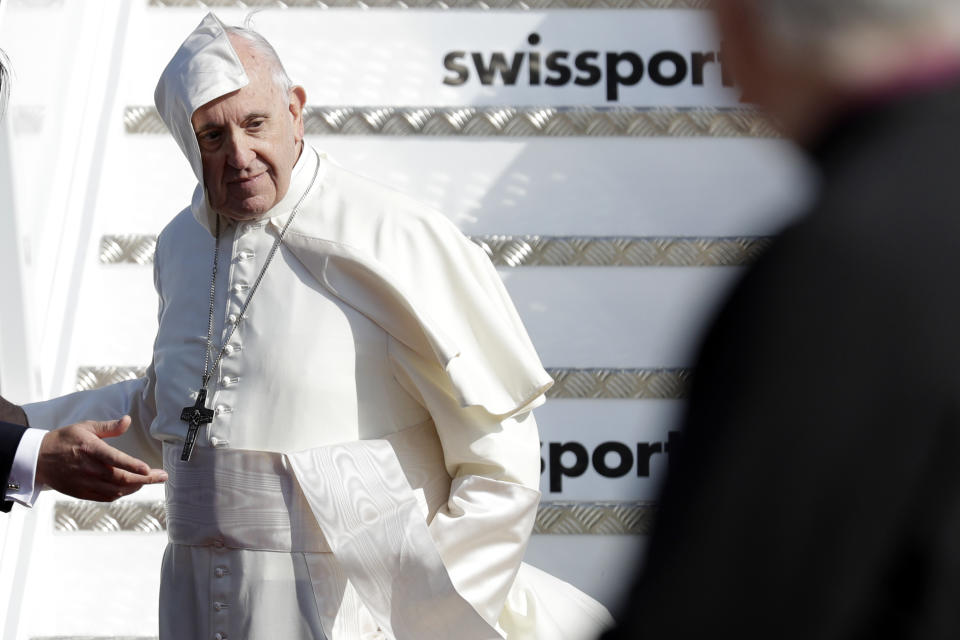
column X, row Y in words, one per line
column 249, row 141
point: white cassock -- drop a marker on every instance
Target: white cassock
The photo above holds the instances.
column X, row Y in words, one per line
column 373, row 465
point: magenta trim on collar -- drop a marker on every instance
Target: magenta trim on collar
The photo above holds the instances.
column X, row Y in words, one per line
column 932, row 73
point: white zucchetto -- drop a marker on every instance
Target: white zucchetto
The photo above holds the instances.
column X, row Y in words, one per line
column 204, row 68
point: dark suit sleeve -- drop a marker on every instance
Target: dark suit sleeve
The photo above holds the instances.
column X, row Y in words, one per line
column 12, row 413
column 13, row 422
column 10, row 435
column 815, row 476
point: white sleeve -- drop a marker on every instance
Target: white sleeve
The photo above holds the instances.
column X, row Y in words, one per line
column 483, row 530
column 24, row 469
column 130, row 397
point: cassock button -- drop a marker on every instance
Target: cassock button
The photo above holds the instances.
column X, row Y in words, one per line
column 219, row 606
column 232, row 318
column 219, row 636
column 231, row 349
column 214, row 441
column 221, row 571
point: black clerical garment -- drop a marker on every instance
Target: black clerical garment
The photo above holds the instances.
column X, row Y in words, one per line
column 816, row 493
column 12, row 425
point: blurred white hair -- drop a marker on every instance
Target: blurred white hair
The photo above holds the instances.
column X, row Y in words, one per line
column 804, row 24
column 262, row 46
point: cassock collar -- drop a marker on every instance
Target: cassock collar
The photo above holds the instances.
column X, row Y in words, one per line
column 300, row 181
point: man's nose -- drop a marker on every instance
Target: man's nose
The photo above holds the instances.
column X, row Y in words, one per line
column 239, row 152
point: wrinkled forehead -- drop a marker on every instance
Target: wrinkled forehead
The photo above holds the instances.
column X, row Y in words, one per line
column 257, row 99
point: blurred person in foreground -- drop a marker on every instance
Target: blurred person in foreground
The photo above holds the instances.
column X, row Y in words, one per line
column 817, row 492
column 341, row 392
column 73, row 459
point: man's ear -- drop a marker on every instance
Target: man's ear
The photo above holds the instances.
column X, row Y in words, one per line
column 298, row 99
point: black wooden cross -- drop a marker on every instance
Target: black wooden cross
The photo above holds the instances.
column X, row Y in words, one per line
column 195, row 416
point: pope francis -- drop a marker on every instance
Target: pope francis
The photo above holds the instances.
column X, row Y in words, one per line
column 341, row 392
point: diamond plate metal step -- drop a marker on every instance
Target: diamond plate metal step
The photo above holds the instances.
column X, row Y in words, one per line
column 553, row 518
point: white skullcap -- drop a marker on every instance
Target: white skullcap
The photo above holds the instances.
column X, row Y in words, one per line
column 205, row 67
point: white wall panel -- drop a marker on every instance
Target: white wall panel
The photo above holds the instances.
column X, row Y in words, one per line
column 626, row 317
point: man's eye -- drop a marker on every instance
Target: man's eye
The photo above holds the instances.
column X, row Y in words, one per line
column 209, row 136
column 255, row 124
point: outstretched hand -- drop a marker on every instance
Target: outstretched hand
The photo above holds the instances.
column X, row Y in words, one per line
column 76, row 461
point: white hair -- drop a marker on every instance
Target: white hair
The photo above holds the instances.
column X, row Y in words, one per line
column 262, row 46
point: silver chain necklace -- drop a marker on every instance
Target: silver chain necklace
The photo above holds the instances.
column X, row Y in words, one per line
column 198, row 414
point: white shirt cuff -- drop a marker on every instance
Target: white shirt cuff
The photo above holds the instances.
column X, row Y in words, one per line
column 24, row 469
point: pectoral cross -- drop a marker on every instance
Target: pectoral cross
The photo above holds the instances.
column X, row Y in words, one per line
column 195, row 416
